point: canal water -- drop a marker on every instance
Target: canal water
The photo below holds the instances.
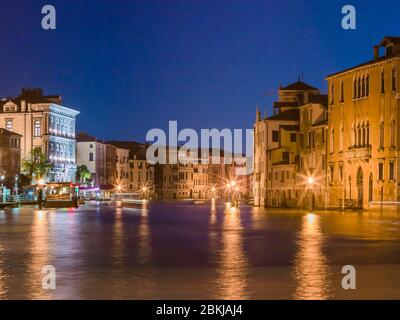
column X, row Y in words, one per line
column 178, row 250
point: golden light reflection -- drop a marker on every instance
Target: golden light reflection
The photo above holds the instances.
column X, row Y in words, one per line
column 147, row 282
column 232, row 278
column 311, row 271
column 213, row 216
column 3, row 290
column 40, row 255
column 118, row 238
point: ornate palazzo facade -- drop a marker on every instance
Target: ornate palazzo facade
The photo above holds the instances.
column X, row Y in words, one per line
column 363, row 131
column 43, row 122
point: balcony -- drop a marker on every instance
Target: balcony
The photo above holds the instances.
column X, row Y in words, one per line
column 359, row 153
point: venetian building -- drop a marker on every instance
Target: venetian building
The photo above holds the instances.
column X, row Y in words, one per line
column 312, row 148
column 43, row 123
column 276, row 156
column 363, row 132
column 92, row 153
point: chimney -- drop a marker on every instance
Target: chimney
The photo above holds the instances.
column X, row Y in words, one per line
column 376, row 52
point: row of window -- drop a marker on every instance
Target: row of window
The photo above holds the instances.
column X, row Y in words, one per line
column 361, row 86
column 360, row 136
column 37, row 127
column 380, row 172
column 282, row 176
column 61, row 126
column 60, row 152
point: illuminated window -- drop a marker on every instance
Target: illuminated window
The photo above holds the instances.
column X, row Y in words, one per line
column 37, row 131
column 9, row 125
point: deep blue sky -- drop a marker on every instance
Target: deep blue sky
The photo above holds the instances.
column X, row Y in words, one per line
column 130, row 66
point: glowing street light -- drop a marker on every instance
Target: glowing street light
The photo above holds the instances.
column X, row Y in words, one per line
column 310, row 181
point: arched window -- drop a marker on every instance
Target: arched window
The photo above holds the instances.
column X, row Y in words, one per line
column 367, row 134
column 353, row 135
column 367, row 86
column 381, row 135
column 359, row 136
column 383, row 81
column 9, row 125
column 332, row 94
column 354, row 88
column 394, row 79
column 37, row 129
column 358, row 88
column 341, row 138
column 363, row 136
column 332, row 140
column 392, row 133
column 91, row 156
column 363, row 87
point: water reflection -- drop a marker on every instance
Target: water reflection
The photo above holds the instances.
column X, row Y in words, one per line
column 147, row 281
column 2, row 275
column 232, row 272
column 311, row 271
column 40, row 255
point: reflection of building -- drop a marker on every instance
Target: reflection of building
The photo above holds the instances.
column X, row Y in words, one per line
column 10, row 155
column 44, row 123
column 276, row 155
column 364, row 130
column 311, row 270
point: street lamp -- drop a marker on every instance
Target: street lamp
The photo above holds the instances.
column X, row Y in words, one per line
column 310, row 182
column 2, row 177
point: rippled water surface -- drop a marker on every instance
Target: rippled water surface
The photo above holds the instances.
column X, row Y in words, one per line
column 179, row 250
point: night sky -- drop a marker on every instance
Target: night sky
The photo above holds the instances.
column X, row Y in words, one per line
column 130, row 66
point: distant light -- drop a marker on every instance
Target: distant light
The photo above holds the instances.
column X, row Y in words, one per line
column 233, row 183
column 41, row 182
column 310, row 180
